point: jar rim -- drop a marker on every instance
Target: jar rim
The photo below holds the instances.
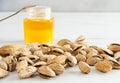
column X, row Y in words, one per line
column 39, row 12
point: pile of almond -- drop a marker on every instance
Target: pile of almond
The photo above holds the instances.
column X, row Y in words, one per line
column 48, row 60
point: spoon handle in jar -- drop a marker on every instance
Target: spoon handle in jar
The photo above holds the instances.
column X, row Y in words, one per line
column 17, row 12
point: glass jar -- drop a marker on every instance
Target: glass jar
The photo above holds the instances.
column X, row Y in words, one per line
column 38, row 25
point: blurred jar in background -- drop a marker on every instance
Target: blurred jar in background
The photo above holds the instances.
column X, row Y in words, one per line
column 39, row 25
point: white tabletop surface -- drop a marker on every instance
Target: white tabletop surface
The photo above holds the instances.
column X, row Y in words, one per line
column 99, row 28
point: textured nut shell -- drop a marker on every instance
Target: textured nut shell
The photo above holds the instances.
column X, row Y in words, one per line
column 114, row 47
column 32, row 57
column 3, row 73
column 67, row 48
column 10, row 50
column 104, row 66
column 57, row 68
column 40, row 63
column 33, row 46
column 115, row 65
column 25, row 51
column 50, row 57
column 47, row 71
column 77, row 50
column 84, row 67
column 57, row 51
column 45, row 48
column 21, row 65
column 80, row 38
column 63, row 42
column 80, row 57
column 26, row 72
column 93, row 60
column 38, row 53
column 11, row 62
column 100, row 51
column 117, row 55
column 71, row 60
column 59, row 59
column 91, row 52
column 27, row 59
column 3, row 65
column 107, row 51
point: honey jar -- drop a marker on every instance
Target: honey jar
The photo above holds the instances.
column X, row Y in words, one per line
column 39, row 25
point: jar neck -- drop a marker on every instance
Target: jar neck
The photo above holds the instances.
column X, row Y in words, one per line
column 39, row 12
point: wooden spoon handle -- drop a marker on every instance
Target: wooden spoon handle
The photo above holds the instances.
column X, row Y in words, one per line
column 17, row 12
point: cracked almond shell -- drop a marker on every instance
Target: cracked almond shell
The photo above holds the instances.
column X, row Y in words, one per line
column 57, row 68
column 3, row 73
column 104, row 66
column 46, row 71
column 80, row 57
column 3, row 65
column 11, row 62
column 26, row 72
column 40, row 63
column 71, row 60
column 114, row 47
column 84, row 67
column 80, row 38
column 21, row 65
column 58, row 59
column 10, row 50
column 93, row 60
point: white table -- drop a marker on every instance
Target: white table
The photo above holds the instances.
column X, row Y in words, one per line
column 99, row 28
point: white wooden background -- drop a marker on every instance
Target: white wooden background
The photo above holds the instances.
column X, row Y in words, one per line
column 64, row 5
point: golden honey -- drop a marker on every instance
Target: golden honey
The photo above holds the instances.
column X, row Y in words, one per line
column 39, row 26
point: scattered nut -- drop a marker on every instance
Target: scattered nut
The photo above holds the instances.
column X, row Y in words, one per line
column 46, row 71
column 50, row 57
column 117, row 55
column 11, row 62
column 59, row 59
column 10, row 50
column 3, row 73
column 100, row 50
column 27, row 59
column 77, row 50
column 71, row 59
column 104, row 66
column 32, row 57
column 38, row 53
column 57, row 51
column 91, row 52
column 57, row 68
column 40, row 63
column 25, row 51
column 26, row 72
column 80, row 38
column 93, row 60
column 67, row 48
column 80, row 57
column 84, row 67
column 114, row 47
column 21, row 65
column 33, row 46
column 63, row 42
column 108, row 51
column 3, row 65
column 45, row 48
column 51, row 60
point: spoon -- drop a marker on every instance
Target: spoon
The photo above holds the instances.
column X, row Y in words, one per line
column 29, row 6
